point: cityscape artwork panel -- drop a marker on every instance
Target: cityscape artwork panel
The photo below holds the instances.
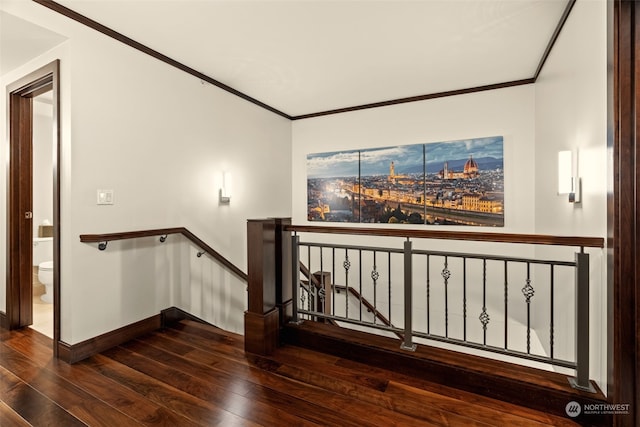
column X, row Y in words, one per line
column 441, row 183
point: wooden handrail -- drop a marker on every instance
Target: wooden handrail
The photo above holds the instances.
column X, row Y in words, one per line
column 107, row 237
column 534, row 239
column 314, row 280
column 368, row 305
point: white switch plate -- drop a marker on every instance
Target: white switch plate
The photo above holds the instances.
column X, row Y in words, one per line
column 105, row 197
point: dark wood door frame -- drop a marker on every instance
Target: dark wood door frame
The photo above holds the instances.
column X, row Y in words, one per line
column 623, row 235
column 19, row 222
column 19, row 292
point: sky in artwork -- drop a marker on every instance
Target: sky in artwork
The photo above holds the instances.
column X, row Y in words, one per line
column 406, row 158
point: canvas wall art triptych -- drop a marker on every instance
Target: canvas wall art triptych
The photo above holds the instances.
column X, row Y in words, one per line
column 447, row 183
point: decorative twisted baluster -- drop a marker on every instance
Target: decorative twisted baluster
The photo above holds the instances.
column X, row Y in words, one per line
column 374, row 276
column 346, row 264
column 446, row 274
column 528, row 293
column 484, row 316
column 484, row 319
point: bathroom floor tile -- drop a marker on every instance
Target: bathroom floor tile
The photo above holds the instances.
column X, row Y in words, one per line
column 42, row 311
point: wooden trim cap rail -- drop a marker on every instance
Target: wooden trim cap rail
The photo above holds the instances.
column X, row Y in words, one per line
column 534, row 239
column 102, row 238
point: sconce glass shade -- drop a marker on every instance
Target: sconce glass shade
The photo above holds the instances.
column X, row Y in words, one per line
column 225, row 190
column 565, row 172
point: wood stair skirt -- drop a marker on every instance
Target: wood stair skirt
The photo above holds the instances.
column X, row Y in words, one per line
column 533, row 388
column 82, row 350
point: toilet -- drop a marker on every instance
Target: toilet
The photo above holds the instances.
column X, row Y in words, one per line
column 45, row 276
column 42, row 255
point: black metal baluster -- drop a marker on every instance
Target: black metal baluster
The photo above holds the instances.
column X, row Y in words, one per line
column 528, row 293
column 428, row 297
column 374, row 276
column 484, row 316
column 464, row 299
column 333, row 279
column 506, row 306
column 295, row 276
column 446, row 273
column 346, row 264
column 360, row 279
column 552, row 309
column 389, row 276
column 311, row 287
column 322, row 290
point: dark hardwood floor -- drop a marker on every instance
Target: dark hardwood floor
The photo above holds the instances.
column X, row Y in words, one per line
column 196, row 375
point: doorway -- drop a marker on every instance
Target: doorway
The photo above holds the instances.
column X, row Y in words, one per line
column 20, row 225
column 42, row 185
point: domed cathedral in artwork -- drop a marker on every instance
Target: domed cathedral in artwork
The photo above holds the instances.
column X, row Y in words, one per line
column 470, row 168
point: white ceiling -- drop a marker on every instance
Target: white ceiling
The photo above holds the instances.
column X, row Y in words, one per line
column 21, row 41
column 306, row 56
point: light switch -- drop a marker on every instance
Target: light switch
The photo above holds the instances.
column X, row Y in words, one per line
column 105, row 197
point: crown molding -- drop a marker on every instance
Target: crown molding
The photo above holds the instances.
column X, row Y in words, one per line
column 71, row 14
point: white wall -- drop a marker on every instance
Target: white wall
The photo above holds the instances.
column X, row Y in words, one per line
column 167, row 139
column 159, row 138
column 42, row 164
column 571, row 115
column 508, row 112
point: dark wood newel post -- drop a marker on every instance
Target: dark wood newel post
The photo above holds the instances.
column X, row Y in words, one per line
column 283, row 270
column 261, row 317
column 265, row 276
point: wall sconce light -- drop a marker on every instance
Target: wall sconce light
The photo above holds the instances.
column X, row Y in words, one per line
column 225, row 190
column 568, row 181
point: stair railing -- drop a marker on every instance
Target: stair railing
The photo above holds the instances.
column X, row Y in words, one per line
column 438, row 264
column 104, row 239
